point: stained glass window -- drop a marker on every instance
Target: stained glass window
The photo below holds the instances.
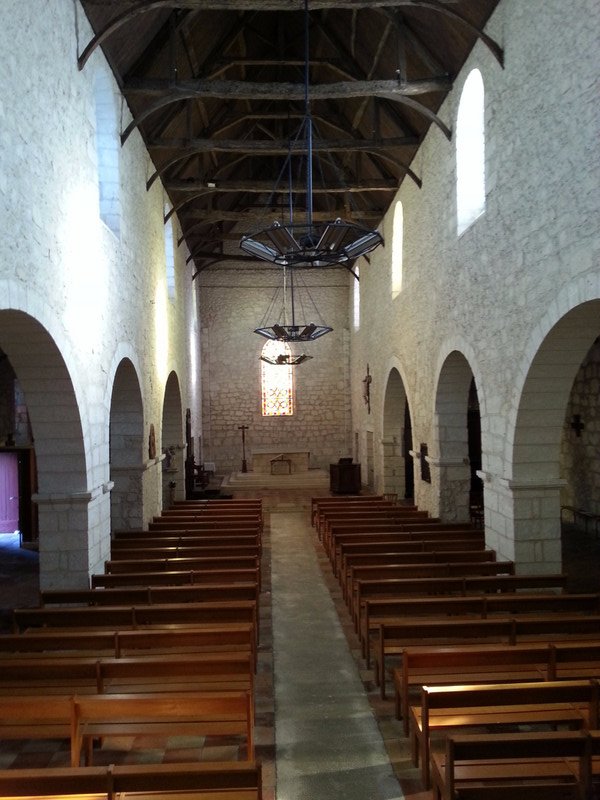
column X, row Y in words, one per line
column 277, row 382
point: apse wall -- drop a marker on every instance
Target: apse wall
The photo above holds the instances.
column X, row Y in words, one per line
column 100, row 295
column 493, row 292
column 233, row 303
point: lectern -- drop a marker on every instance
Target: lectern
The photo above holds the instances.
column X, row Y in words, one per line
column 344, row 477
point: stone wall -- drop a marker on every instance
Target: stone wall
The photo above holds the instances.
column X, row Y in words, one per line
column 234, row 303
column 76, row 298
column 493, row 293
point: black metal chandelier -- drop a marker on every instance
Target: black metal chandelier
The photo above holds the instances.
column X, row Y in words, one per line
column 311, row 243
column 286, row 359
column 281, row 331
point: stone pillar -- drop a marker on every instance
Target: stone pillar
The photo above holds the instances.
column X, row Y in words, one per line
column 74, row 536
column 127, row 498
column 453, row 480
column 522, row 522
column 393, row 465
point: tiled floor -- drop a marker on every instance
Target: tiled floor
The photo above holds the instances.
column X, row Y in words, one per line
column 19, row 586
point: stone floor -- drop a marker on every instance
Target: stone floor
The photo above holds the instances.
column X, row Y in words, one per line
column 322, row 731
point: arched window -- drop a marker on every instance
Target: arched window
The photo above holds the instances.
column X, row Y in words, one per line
column 108, row 151
column 170, row 252
column 397, row 244
column 470, row 152
column 356, row 300
column 276, row 382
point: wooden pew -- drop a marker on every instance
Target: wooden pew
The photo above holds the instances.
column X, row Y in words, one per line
column 395, row 533
column 384, row 587
column 347, row 501
column 203, row 564
column 195, row 781
column 60, row 674
column 133, row 538
column 548, row 765
column 354, row 554
column 394, row 515
column 391, row 639
column 233, row 526
column 119, row 643
column 438, row 666
column 382, row 565
column 444, row 708
column 137, row 595
column 366, row 509
column 174, row 577
column 377, row 612
column 133, row 548
column 82, row 718
column 242, row 611
column 160, row 714
column 459, row 585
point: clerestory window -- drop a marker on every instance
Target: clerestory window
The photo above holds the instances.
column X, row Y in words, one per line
column 470, row 153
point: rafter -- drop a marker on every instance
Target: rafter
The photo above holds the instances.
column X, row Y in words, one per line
column 191, row 147
column 144, row 6
column 239, row 90
column 264, row 187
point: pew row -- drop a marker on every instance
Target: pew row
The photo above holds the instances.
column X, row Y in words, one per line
column 383, row 587
column 548, row 765
column 119, row 643
column 243, row 611
column 83, row 718
column 438, row 666
column 391, row 639
column 59, row 674
column 137, row 595
column 219, row 780
column 174, row 577
column 378, row 612
column 543, row 703
column 383, row 566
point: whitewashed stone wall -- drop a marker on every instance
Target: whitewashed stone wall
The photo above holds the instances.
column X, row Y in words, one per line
column 233, row 304
column 97, row 297
column 493, row 293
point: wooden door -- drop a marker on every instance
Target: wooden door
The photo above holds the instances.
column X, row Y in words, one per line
column 9, row 492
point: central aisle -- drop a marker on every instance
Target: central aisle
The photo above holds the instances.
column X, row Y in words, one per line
column 328, row 744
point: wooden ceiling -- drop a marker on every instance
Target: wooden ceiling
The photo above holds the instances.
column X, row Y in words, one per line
column 217, row 91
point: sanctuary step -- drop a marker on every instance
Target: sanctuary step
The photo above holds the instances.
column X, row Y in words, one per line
column 311, row 479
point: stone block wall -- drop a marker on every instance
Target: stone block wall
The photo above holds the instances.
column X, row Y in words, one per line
column 234, row 303
column 492, row 293
column 76, row 297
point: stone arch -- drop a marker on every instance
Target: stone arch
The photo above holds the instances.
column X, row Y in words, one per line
column 451, row 468
column 397, row 438
column 126, row 448
column 68, row 547
column 533, row 482
column 172, row 442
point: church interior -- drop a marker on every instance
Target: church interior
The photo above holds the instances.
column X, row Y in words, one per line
column 270, row 261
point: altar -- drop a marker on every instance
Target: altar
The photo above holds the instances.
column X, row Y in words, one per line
column 279, row 459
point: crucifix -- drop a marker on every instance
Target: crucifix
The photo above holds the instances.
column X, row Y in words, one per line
column 243, row 429
column 367, row 389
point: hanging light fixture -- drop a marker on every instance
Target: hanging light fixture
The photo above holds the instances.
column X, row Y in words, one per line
column 281, row 331
column 310, row 243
